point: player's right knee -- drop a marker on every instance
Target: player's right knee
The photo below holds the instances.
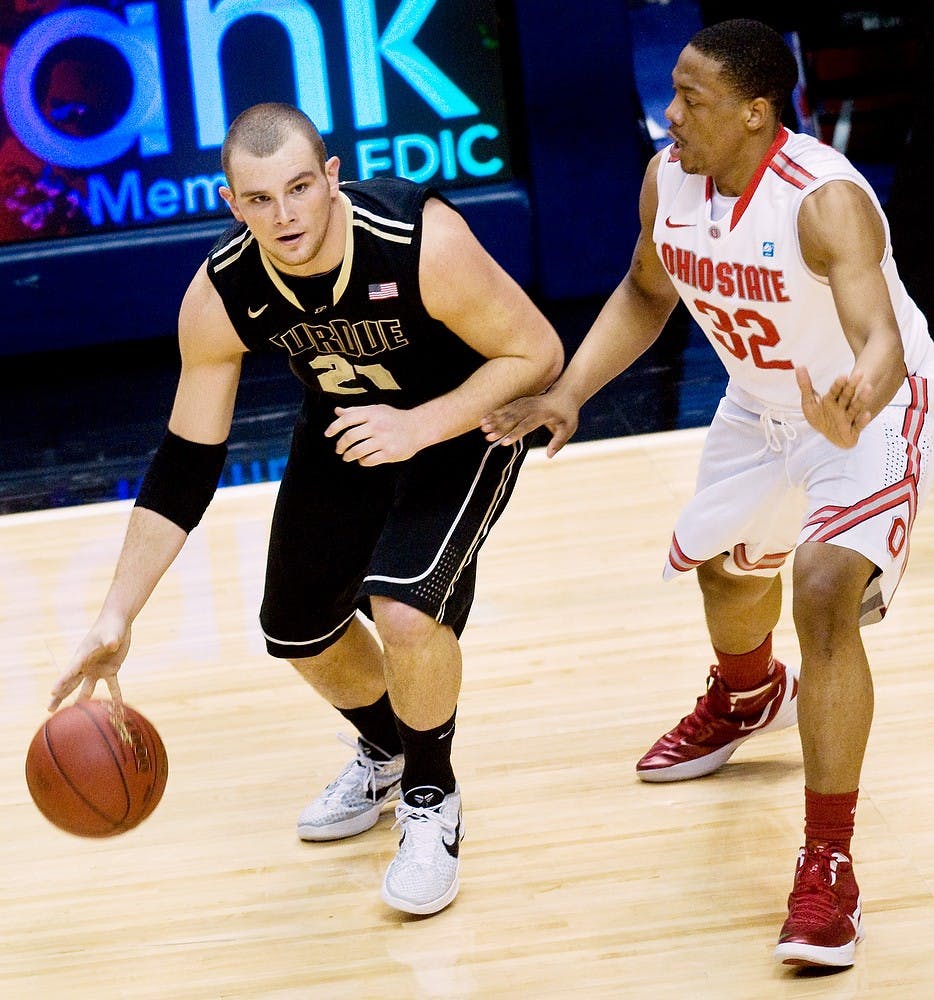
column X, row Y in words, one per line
column 400, row 625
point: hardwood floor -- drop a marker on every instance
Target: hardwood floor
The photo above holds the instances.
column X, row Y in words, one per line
column 577, row 879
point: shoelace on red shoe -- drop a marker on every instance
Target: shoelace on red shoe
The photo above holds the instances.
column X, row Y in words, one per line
column 812, row 900
column 702, row 720
column 715, row 706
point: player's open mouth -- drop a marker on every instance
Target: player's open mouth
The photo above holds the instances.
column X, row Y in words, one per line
column 291, row 238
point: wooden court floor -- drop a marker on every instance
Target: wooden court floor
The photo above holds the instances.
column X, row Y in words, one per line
column 577, row 880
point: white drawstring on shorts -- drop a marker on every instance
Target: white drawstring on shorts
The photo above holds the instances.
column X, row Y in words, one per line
column 776, row 430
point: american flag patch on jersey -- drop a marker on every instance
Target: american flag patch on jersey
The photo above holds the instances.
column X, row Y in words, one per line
column 384, row 290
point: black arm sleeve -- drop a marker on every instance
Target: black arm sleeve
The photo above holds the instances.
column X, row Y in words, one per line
column 181, row 479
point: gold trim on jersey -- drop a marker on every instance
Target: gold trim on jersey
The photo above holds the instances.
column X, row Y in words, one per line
column 378, row 232
column 244, row 239
column 281, row 287
column 381, row 221
column 343, row 279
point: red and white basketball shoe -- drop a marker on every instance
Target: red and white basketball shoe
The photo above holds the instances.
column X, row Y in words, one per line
column 722, row 719
column 824, row 924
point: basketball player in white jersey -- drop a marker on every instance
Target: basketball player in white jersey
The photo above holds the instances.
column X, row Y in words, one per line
column 820, row 447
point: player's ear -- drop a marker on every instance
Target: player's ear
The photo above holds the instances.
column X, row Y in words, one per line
column 231, row 200
column 757, row 113
column 332, row 169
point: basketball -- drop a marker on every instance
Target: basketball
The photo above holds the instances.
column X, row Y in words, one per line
column 90, row 779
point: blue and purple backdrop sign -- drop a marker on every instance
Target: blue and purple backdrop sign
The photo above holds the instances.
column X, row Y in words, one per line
column 112, row 113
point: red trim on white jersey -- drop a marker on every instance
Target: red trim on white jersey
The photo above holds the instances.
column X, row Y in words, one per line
column 832, row 521
column 746, row 196
column 915, row 415
column 790, row 171
column 903, row 492
column 679, row 561
column 771, row 560
column 822, row 516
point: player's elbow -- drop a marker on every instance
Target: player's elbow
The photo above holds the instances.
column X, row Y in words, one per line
column 551, row 360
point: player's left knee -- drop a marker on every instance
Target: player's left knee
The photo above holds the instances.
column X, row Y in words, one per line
column 828, row 590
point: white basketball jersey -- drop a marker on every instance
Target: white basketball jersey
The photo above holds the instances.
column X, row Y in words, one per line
column 745, row 282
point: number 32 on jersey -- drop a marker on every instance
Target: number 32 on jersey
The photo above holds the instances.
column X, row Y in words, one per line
column 745, row 334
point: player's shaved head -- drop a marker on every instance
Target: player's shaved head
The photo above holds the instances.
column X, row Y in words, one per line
column 263, row 129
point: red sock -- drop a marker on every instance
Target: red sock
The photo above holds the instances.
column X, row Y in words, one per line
column 829, row 819
column 745, row 671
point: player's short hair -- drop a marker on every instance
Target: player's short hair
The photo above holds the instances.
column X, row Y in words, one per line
column 755, row 60
column 264, row 128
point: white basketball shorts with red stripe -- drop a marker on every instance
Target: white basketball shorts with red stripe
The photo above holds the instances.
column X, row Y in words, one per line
column 768, row 482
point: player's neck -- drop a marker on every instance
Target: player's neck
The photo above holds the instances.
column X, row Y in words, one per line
column 329, row 254
column 734, row 179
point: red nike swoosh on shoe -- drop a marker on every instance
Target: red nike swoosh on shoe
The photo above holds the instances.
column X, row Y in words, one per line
column 678, row 225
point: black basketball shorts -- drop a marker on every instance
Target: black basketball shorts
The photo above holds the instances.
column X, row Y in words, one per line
column 408, row 530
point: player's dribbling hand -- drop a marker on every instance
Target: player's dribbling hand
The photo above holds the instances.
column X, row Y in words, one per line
column 98, row 658
column 842, row 412
column 514, row 420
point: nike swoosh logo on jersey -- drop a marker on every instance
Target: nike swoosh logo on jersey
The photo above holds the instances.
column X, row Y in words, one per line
column 253, row 313
column 678, row 225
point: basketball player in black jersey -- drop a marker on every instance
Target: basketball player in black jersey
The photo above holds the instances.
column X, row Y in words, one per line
column 404, row 333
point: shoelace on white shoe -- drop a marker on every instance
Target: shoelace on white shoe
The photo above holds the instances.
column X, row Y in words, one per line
column 420, row 834
column 369, row 766
column 775, row 427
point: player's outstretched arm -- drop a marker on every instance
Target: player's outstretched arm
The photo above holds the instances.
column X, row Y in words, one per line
column 176, row 489
column 628, row 324
column 149, row 548
column 553, row 409
column 843, row 239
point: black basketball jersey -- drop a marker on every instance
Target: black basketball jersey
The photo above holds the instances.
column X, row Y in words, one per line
column 361, row 333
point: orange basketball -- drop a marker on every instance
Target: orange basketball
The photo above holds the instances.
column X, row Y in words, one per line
column 90, row 779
